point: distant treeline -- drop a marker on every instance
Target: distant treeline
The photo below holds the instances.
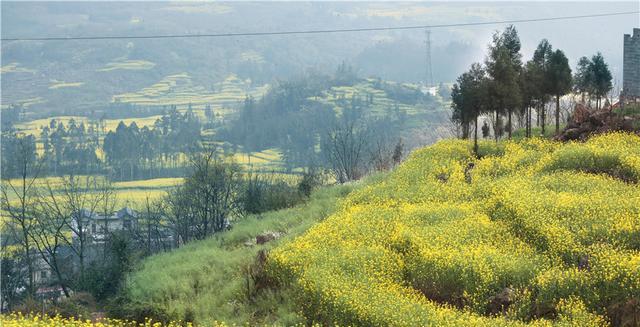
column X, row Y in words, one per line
column 130, row 152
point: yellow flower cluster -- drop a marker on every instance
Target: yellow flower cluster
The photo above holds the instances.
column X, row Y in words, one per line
column 35, row 320
column 553, row 226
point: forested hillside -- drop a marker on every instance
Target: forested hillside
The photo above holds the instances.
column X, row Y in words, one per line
column 282, row 128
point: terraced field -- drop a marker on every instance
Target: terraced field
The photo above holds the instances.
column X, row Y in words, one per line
column 128, row 65
column 181, row 91
column 55, row 84
column 26, row 103
column 15, row 67
column 253, row 56
column 381, row 105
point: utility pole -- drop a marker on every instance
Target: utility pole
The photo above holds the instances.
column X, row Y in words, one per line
column 429, row 73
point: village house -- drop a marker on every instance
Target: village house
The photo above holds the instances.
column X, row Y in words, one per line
column 98, row 226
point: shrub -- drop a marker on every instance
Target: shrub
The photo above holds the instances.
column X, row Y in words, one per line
column 311, row 179
column 264, row 193
column 79, row 305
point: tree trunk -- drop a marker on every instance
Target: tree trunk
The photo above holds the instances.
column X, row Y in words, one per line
column 495, row 127
column 81, row 256
column 542, row 119
column 60, row 279
column 530, row 120
column 31, row 289
column 509, row 127
column 527, row 122
column 25, row 230
column 475, row 136
column 557, row 114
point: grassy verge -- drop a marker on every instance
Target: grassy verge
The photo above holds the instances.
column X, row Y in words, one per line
column 209, row 280
column 549, row 132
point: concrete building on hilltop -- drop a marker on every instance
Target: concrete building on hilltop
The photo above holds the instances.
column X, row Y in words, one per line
column 631, row 66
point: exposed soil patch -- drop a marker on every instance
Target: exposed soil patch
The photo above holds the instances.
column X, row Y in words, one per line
column 620, row 174
column 434, row 294
column 585, row 123
column 625, row 314
column 499, row 303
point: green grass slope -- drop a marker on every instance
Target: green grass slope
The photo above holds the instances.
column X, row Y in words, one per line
column 210, row 280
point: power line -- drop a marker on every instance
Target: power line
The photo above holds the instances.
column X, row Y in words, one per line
column 369, row 29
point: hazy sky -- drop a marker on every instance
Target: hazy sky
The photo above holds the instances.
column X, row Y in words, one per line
column 76, row 60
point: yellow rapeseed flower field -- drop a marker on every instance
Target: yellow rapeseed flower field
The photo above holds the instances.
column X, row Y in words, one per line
column 533, row 233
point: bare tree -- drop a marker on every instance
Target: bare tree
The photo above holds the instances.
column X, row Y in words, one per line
column 346, row 149
column 567, row 106
column 18, row 200
column 79, row 199
column 207, row 200
column 615, row 91
column 419, row 137
column 152, row 235
column 177, row 210
column 453, row 129
column 50, row 234
column 381, row 153
column 107, row 203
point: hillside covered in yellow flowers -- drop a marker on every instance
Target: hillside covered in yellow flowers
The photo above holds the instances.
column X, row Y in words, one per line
column 531, row 233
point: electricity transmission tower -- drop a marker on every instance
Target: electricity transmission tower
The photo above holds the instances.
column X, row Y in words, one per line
column 429, row 73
